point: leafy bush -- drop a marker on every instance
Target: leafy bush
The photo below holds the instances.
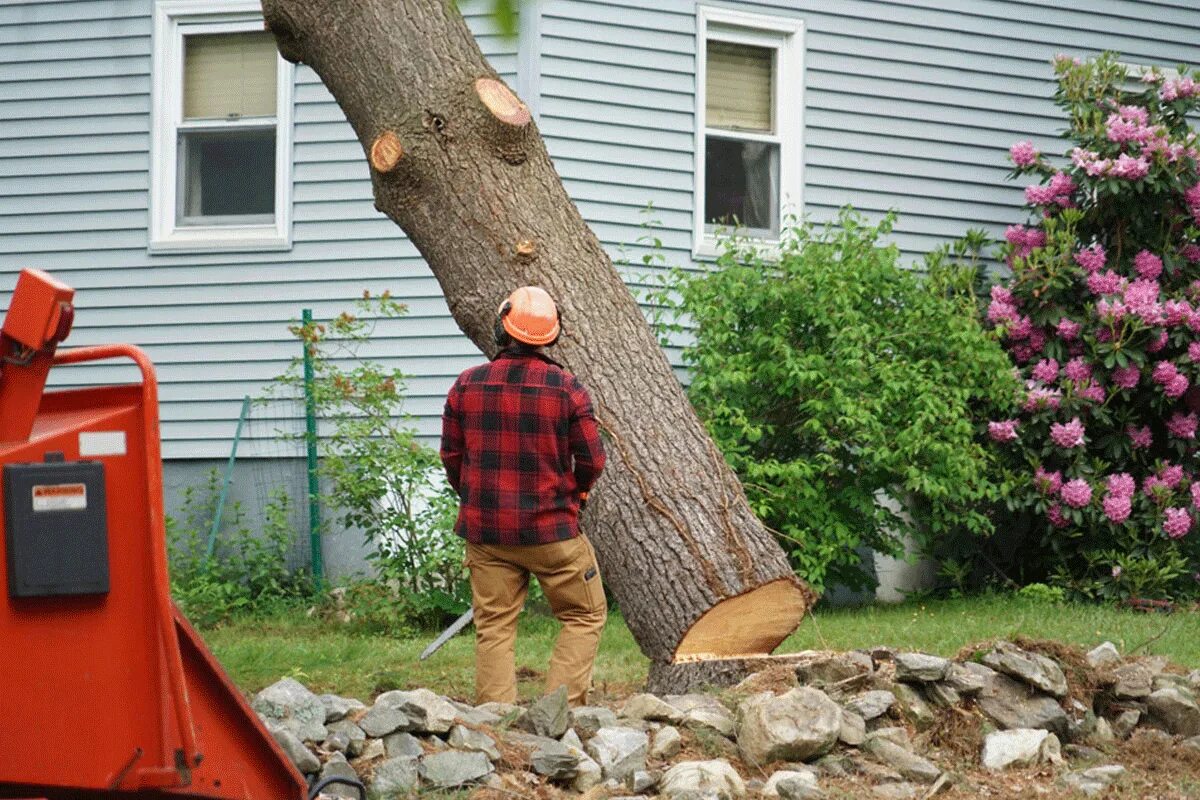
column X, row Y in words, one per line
column 834, row 379
column 248, row 571
column 1099, row 317
column 383, row 480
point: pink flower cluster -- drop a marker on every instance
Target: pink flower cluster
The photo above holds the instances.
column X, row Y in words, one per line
column 1126, row 377
column 1166, row 374
column 1176, row 522
column 1191, row 197
column 1078, row 370
column 1091, row 258
column 1123, row 166
column 1129, row 124
column 1067, row 435
column 1003, row 431
column 1191, row 251
column 1139, row 437
column 1068, row 329
column 1024, row 240
column 1148, row 265
column 1166, row 478
column 1023, row 154
column 1141, row 298
column 1047, row 482
column 1040, row 397
column 1046, row 371
column 1003, row 307
column 1076, row 493
column 1178, row 88
column 1107, row 282
column 1118, row 502
column 1182, row 426
column 1056, row 192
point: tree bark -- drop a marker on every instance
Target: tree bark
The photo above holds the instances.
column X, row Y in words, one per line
column 458, row 164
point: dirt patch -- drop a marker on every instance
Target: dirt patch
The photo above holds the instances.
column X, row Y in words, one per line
column 956, row 736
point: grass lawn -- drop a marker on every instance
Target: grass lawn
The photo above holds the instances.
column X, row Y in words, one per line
column 330, row 658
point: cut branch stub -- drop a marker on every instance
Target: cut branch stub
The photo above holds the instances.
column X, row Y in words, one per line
column 386, row 152
column 502, row 103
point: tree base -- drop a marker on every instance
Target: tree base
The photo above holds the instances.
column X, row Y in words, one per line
column 694, row 676
column 750, row 624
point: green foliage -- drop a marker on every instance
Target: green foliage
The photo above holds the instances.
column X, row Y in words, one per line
column 248, row 570
column 1041, row 593
column 382, row 480
column 832, row 377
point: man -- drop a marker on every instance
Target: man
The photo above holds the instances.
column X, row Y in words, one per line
column 521, row 449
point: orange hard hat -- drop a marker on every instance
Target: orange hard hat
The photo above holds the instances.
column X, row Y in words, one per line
column 529, row 315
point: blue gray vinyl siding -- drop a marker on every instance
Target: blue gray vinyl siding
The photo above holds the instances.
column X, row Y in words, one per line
column 908, row 104
column 75, row 101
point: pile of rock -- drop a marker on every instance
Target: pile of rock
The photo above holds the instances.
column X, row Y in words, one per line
column 830, row 715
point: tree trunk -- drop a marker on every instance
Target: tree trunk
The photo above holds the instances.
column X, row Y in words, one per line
column 457, row 162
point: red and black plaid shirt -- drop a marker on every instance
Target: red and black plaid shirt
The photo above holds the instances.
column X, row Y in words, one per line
column 519, row 443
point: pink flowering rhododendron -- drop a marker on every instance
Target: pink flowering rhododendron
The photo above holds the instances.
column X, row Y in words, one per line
column 1101, row 318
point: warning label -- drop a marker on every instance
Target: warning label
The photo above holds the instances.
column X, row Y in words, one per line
column 60, row 497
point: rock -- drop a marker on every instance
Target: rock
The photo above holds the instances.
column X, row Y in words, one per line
column 1168, row 680
column 394, row 778
column 666, row 743
column 649, row 707
column 874, row 772
column 1125, row 722
column 402, row 745
column 1081, row 752
column 920, row 668
column 620, row 752
column 1134, row 681
column 1176, row 709
column 1153, row 738
column 373, row 749
column 453, row 768
column 942, row 784
column 549, row 716
column 771, row 787
column 1020, row 747
column 338, row 767
column 838, row 669
column 1191, row 744
column 1104, row 654
column 943, row 694
column 589, row 719
column 913, row 706
column 1102, row 732
column 896, row 734
column 909, row 764
column 1035, row 669
column 968, row 677
column 799, row 725
column 1093, row 781
column 703, row 711
column 337, row 708
column 1012, row 704
column 643, row 781
column 354, row 735
column 854, row 729
column 336, row 742
column 463, row 738
column 571, row 739
column 716, row 776
column 291, row 705
column 300, row 756
column 386, row 716
column 555, row 760
column 872, row 704
column 427, row 712
column 505, row 711
column 587, row 774
column 896, row 791
column 475, row 716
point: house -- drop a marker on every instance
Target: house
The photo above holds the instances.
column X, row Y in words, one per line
column 198, row 191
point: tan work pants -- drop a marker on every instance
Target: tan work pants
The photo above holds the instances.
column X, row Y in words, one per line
column 569, row 576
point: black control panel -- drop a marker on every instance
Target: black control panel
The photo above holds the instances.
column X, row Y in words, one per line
column 56, row 529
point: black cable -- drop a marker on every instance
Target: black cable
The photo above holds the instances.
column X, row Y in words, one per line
column 332, row 779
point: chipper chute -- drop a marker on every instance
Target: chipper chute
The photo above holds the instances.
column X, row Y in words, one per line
column 105, row 689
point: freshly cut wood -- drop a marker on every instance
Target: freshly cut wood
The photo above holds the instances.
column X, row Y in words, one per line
column 386, row 152
column 693, row 570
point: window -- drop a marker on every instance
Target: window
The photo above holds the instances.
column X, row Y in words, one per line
column 221, row 153
column 748, row 139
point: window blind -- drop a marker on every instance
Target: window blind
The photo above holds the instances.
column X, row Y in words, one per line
column 229, row 75
column 738, row 87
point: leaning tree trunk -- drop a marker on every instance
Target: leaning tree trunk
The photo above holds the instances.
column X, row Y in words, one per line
column 457, row 162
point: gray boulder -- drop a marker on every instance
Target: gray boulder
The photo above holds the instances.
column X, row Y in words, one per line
column 452, row 768
column 550, row 716
column 943, row 694
column 666, row 743
column 1191, row 744
column 907, row 763
column 386, row 716
column 1020, row 747
column 717, row 777
column 394, row 778
column 920, row 668
column 338, row 708
column 300, row 756
column 427, row 712
column 588, row 774
column 290, row 704
column 402, row 745
column 338, row 767
column 807, row 778
column 1012, row 704
column 643, row 781
column 1035, row 669
column 897, row 791
column 1093, row 781
column 912, row 704
column 589, row 719
column 1135, row 681
column 797, row 726
column 620, row 752
column 703, row 711
column 843, row 670
column 471, row 740
column 854, row 729
column 354, row 735
column 651, row 708
column 475, row 716
column 553, row 759
column 1123, row 726
column 968, row 677
column 1176, row 709
column 872, row 704
column 1104, row 654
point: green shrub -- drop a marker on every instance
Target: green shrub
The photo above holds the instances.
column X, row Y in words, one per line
column 832, row 377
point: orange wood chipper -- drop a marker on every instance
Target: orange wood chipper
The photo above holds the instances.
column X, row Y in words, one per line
column 105, row 689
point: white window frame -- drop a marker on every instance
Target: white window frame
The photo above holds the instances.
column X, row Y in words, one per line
column 173, row 19
column 784, row 35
